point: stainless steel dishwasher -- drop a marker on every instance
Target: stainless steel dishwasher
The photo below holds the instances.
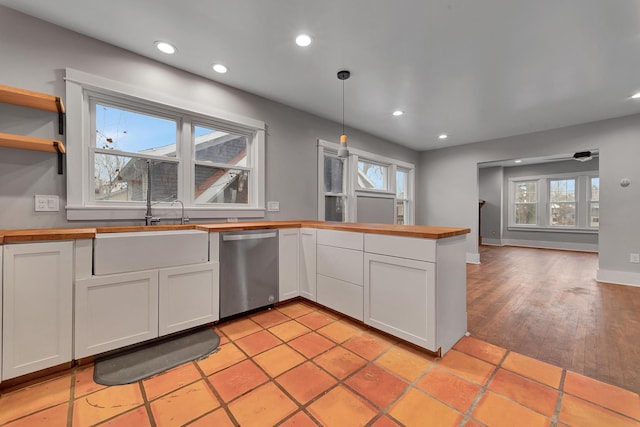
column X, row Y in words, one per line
column 248, row 270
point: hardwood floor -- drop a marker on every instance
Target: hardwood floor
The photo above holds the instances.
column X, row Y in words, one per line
column 547, row 304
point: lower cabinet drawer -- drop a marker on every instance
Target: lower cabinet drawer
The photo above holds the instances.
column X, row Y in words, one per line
column 345, row 297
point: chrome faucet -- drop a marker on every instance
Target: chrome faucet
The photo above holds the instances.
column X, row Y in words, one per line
column 149, row 219
column 183, row 219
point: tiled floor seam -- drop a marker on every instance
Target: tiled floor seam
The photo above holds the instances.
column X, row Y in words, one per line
column 556, row 413
column 223, row 404
column 483, row 389
column 72, row 392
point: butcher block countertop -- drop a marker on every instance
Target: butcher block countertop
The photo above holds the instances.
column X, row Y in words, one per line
column 421, row 231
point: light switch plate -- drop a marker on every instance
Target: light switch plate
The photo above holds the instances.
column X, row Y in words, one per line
column 634, row 258
column 273, row 206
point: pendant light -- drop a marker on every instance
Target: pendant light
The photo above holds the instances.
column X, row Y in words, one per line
column 343, row 151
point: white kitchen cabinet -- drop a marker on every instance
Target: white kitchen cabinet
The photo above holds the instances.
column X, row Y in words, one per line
column 344, row 297
column 400, row 298
column 415, row 289
column 115, row 311
column 339, row 265
column 307, row 263
column 288, row 243
column 188, row 297
column 37, row 306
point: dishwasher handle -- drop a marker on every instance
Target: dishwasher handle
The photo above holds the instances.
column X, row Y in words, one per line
column 230, row 237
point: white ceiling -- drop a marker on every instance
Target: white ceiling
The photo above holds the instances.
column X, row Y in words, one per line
column 474, row 69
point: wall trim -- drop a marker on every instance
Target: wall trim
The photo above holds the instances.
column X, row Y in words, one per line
column 616, row 277
column 540, row 244
column 473, row 258
column 492, row 242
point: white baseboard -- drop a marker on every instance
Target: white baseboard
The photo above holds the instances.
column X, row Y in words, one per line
column 566, row 246
column 618, row 277
column 492, row 242
column 473, row 258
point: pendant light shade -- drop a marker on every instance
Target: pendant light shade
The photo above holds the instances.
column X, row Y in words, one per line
column 343, row 151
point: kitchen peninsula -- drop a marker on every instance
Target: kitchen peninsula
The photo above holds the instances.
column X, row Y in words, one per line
column 408, row 281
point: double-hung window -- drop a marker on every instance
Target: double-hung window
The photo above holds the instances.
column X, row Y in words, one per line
column 567, row 202
column 402, row 196
column 364, row 187
column 562, row 202
column 525, row 204
column 129, row 149
column 335, row 196
column 594, row 201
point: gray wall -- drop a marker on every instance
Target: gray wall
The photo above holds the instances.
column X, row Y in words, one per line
column 34, row 55
column 579, row 239
column 490, row 183
column 447, row 182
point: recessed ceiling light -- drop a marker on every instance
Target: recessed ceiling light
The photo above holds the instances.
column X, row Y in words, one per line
column 398, row 113
column 219, row 68
column 303, row 40
column 165, row 47
column 443, row 136
column 517, row 161
column 635, row 95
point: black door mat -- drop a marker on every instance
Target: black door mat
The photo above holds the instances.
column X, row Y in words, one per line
column 135, row 364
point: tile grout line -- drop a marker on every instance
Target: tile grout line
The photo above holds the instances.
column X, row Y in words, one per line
column 146, row 404
column 72, row 390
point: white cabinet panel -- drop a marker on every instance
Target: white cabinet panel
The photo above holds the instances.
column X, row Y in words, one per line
column 341, row 239
column 341, row 296
column 307, row 263
column 400, row 298
column 340, row 263
column 403, row 247
column 37, row 307
column 115, row 311
column 188, row 297
column 288, row 242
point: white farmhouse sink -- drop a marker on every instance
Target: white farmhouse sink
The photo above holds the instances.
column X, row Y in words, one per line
column 146, row 250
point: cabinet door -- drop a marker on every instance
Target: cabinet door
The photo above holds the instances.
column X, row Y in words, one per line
column 307, row 272
column 288, row 263
column 115, row 311
column 400, row 298
column 37, row 307
column 189, row 296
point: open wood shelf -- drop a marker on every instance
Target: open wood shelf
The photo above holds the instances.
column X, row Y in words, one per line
column 40, row 101
column 31, row 143
column 27, row 98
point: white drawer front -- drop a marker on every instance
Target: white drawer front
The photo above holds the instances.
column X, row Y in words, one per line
column 342, row 264
column 341, row 296
column 399, row 246
column 341, row 239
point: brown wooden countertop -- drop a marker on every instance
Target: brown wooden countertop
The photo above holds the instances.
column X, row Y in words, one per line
column 40, row 234
column 420, row 231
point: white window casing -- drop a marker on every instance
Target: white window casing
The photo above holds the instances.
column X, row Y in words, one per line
column 351, row 175
column 82, row 89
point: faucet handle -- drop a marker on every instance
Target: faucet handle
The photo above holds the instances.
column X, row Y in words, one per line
column 154, row 220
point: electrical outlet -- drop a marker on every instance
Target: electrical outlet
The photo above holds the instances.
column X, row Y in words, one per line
column 273, row 206
column 232, row 219
column 634, row 258
column 47, row 203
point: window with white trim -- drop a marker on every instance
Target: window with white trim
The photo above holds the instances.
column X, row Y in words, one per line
column 402, row 195
column 594, row 201
column 567, row 202
column 211, row 161
column 363, row 174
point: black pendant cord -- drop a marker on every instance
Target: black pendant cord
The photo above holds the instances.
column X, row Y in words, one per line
column 343, row 107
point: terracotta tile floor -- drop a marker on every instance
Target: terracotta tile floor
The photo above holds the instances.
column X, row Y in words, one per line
column 301, row 365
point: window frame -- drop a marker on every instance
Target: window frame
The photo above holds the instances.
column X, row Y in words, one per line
column 350, row 176
column 543, row 210
column 82, row 87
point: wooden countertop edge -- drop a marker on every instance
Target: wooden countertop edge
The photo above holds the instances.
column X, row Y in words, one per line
column 48, row 234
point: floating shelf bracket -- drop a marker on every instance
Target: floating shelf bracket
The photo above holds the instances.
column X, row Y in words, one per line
column 61, row 115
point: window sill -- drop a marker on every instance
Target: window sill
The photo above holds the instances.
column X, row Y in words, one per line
column 554, row 230
column 106, row 213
